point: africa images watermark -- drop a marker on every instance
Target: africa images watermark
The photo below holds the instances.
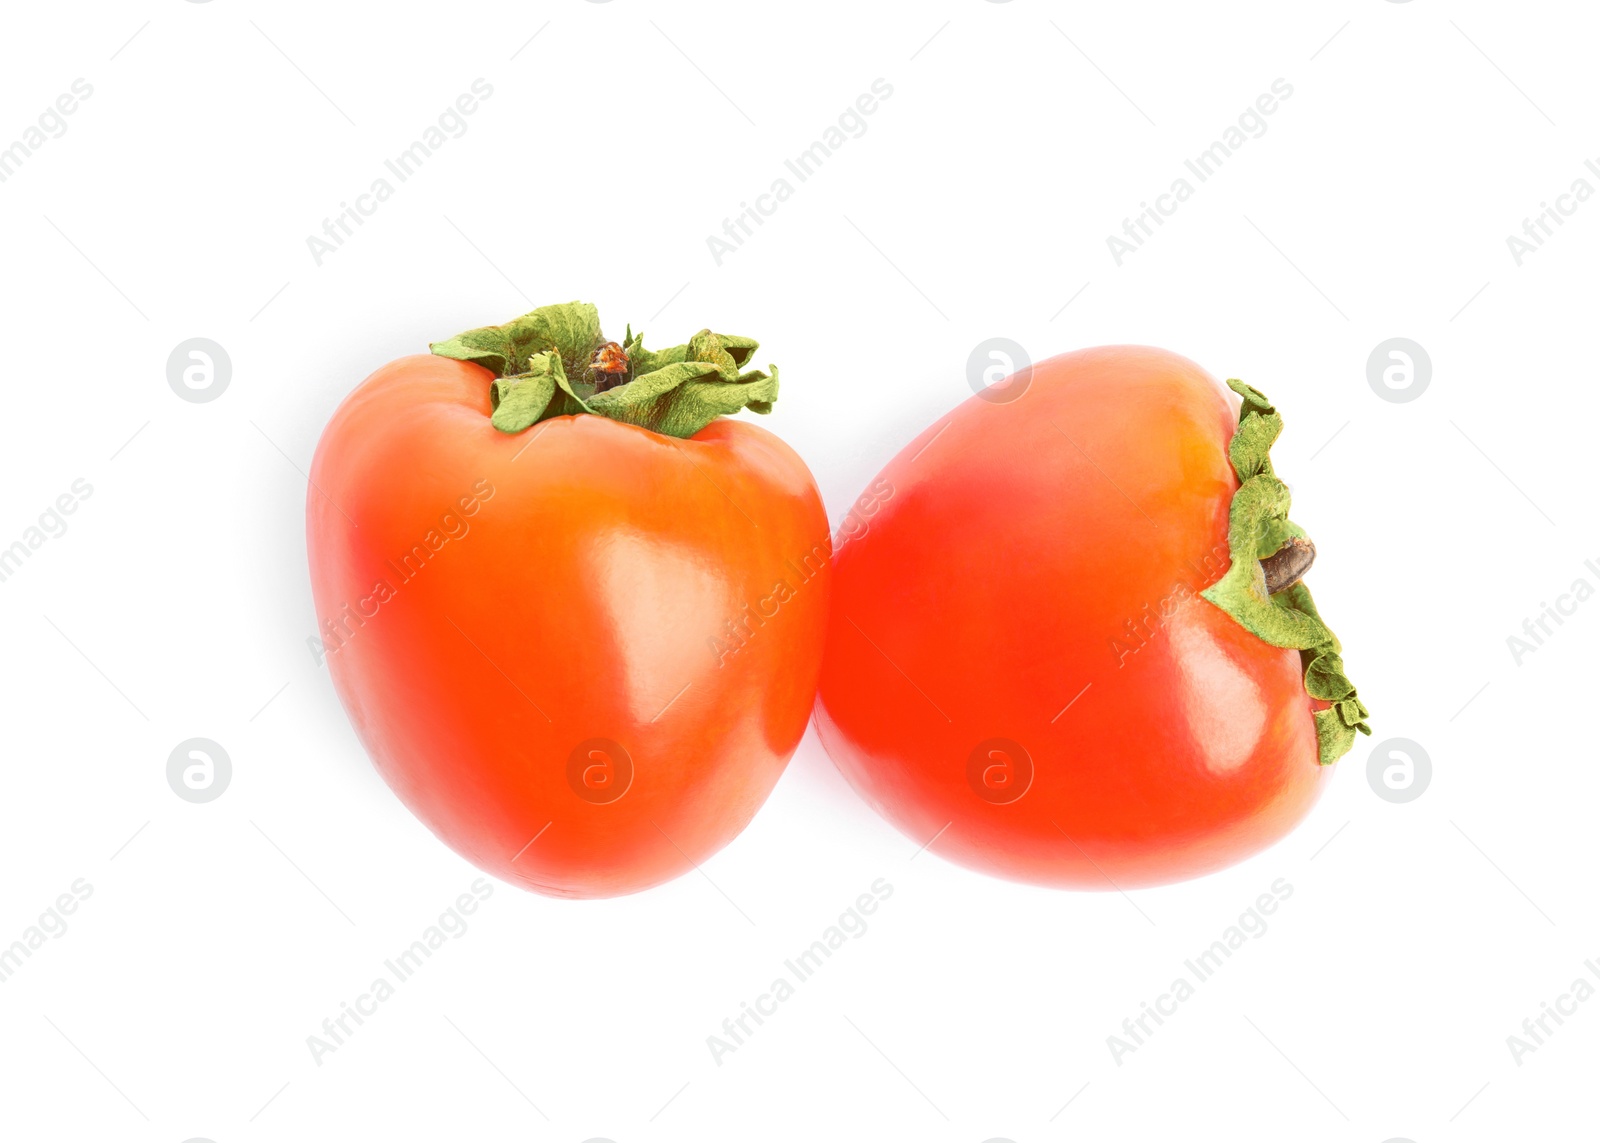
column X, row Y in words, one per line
column 1538, row 629
column 1252, row 923
column 52, row 923
column 339, row 628
column 851, row 124
column 1251, row 124
column 451, row 124
column 451, row 924
column 1536, row 1029
column 1137, row 632
column 51, row 124
column 50, row 526
column 739, row 630
column 852, row 923
column 1542, row 226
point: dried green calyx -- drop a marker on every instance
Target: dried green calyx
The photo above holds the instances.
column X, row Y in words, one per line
column 1263, row 542
column 555, row 362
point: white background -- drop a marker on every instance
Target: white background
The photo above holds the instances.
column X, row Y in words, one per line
column 977, row 204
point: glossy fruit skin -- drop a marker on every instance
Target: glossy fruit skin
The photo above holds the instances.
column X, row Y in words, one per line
column 1000, row 591
column 578, row 581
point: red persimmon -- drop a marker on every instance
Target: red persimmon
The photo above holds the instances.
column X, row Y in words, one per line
column 575, row 616
column 1071, row 647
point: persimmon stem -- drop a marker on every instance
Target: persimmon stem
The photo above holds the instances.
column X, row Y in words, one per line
column 1284, row 567
column 609, row 367
column 555, row 362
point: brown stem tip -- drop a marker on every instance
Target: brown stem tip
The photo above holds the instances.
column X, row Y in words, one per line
column 1284, row 567
column 610, row 361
